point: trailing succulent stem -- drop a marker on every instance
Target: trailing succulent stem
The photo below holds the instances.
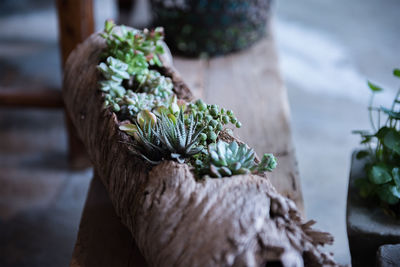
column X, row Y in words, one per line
column 383, row 151
column 213, row 119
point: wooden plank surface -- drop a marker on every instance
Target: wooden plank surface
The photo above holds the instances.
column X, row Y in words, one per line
column 248, row 83
column 102, row 239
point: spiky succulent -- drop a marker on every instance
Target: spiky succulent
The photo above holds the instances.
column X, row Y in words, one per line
column 227, row 159
column 179, row 139
column 147, row 144
column 164, row 138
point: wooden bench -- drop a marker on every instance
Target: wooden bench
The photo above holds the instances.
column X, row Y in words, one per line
column 247, row 82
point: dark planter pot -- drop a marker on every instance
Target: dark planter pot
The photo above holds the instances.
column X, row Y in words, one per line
column 212, row 27
column 368, row 227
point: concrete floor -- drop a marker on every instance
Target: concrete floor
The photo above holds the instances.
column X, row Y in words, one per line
column 327, row 49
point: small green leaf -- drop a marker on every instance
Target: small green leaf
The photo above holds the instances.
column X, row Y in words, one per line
column 365, row 187
column 374, row 87
column 128, row 127
column 379, row 174
column 385, row 193
column 392, row 140
column 362, row 154
column 360, row 132
column 391, row 113
column 396, row 176
column 382, row 132
column 396, row 72
column 395, row 191
column 109, row 25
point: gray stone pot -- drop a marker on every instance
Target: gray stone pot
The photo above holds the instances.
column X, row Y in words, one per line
column 368, row 227
column 211, row 27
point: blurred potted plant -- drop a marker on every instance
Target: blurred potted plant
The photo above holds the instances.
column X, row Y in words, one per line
column 373, row 204
column 196, row 27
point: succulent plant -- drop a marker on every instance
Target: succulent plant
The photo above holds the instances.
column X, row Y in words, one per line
column 147, row 144
column 268, row 163
column 213, row 118
column 164, row 138
column 154, row 83
column 227, row 159
column 115, row 71
column 129, row 85
column 138, row 49
column 180, row 140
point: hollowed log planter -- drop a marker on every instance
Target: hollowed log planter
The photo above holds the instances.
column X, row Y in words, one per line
column 174, row 219
column 368, row 227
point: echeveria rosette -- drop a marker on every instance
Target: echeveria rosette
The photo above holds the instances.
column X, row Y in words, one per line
column 227, row 159
column 115, row 71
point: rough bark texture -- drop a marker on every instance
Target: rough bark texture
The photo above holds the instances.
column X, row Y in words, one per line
column 176, row 220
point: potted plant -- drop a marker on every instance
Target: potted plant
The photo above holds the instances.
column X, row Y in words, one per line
column 198, row 27
column 190, row 192
column 373, row 208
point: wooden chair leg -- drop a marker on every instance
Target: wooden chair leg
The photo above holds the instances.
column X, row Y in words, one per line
column 76, row 23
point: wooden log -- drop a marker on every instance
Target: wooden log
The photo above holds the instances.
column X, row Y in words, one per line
column 175, row 219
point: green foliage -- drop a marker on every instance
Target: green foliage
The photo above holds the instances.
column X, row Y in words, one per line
column 162, row 126
column 164, row 138
column 230, row 159
column 129, row 85
column 138, row 49
column 383, row 153
column 146, row 144
column 115, row 71
column 213, row 119
column 180, row 140
column 152, row 82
